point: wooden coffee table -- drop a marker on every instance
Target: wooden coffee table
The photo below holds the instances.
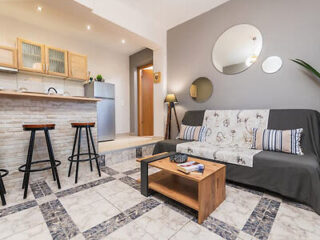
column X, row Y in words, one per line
column 203, row 193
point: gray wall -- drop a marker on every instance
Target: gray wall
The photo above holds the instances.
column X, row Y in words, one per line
column 136, row 60
column 290, row 29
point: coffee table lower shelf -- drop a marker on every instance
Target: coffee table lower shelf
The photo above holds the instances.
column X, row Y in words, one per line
column 175, row 187
column 203, row 196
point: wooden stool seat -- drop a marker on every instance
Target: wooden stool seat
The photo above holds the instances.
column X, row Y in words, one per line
column 28, row 127
column 91, row 124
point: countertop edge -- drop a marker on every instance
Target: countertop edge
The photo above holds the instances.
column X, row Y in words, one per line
column 49, row 97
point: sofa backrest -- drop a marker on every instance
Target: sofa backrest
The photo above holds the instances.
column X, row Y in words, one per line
column 193, row 118
column 281, row 119
column 307, row 119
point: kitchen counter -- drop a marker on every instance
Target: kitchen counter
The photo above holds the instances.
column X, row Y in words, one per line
column 17, row 108
column 40, row 95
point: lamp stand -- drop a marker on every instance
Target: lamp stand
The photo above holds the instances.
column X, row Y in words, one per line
column 168, row 125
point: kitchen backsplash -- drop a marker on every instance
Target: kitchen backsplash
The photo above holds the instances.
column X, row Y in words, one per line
column 34, row 83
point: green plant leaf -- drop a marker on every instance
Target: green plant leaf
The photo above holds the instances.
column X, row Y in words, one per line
column 306, row 66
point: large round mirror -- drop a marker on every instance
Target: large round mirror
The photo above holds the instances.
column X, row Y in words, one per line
column 237, row 49
column 201, row 89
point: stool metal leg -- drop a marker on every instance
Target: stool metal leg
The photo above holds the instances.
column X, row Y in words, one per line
column 52, row 159
column 73, row 148
column 94, row 151
column 3, row 199
column 78, row 156
column 89, row 152
column 2, row 186
column 28, row 164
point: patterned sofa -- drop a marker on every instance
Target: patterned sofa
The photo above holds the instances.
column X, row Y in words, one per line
column 293, row 176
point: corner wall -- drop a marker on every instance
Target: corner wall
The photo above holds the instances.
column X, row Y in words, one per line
column 289, row 29
column 136, row 60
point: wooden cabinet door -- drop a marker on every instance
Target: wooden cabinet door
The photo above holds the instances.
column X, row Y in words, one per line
column 77, row 66
column 31, row 56
column 56, row 61
column 8, row 57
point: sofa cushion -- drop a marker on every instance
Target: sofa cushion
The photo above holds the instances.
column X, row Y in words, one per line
column 228, row 154
column 192, row 133
column 288, row 141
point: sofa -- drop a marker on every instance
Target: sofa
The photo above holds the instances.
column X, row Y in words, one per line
column 293, row 176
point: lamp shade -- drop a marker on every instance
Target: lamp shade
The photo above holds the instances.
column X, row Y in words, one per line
column 171, row 98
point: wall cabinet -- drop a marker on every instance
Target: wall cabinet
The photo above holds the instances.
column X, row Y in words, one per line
column 31, row 56
column 35, row 57
column 78, row 66
column 56, row 61
column 8, row 57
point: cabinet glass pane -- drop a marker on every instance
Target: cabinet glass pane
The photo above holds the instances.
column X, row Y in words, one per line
column 56, row 61
column 31, row 56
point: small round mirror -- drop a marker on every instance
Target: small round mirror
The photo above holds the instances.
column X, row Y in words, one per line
column 237, row 49
column 201, row 89
column 272, row 64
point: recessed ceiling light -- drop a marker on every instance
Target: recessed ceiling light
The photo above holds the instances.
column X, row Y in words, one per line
column 39, row 8
column 123, row 41
column 88, row 27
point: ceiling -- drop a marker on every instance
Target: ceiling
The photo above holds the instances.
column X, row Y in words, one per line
column 71, row 19
column 170, row 13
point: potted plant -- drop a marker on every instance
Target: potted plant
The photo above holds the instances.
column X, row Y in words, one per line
column 307, row 66
column 99, row 78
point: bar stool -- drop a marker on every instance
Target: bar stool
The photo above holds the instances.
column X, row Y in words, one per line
column 26, row 168
column 92, row 156
column 3, row 191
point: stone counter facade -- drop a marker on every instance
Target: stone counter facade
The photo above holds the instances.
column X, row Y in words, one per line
column 14, row 112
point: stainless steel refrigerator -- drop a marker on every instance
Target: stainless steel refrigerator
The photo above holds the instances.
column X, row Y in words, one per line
column 105, row 108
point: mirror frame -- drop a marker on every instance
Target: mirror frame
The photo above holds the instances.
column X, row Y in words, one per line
column 193, row 84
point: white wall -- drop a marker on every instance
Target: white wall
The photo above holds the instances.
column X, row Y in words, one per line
column 101, row 60
column 130, row 18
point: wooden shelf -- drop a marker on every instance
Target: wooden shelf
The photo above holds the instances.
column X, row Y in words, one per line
column 175, row 187
column 45, row 96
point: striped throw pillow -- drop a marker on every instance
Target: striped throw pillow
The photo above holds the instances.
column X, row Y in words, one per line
column 193, row 133
column 288, row 141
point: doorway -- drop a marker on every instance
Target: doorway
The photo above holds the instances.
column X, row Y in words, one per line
column 145, row 100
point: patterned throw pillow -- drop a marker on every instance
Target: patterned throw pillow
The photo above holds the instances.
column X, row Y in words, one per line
column 288, row 141
column 193, row 133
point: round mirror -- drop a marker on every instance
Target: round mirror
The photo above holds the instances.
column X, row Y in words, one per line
column 237, row 49
column 201, row 89
column 272, row 64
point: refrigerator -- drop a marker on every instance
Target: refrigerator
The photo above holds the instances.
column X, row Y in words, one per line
column 105, row 108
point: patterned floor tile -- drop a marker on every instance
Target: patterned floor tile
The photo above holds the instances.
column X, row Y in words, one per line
column 17, row 208
column 109, row 171
column 132, row 171
column 131, row 182
column 220, row 228
column 261, row 220
column 159, row 223
column 58, row 221
column 83, row 187
column 40, row 189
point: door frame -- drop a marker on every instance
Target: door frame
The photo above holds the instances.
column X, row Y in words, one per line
column 139, row 96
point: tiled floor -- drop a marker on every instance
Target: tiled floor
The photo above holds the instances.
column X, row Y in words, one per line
column 111, row 207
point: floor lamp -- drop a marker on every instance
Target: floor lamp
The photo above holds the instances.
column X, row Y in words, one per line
column 171, row 100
